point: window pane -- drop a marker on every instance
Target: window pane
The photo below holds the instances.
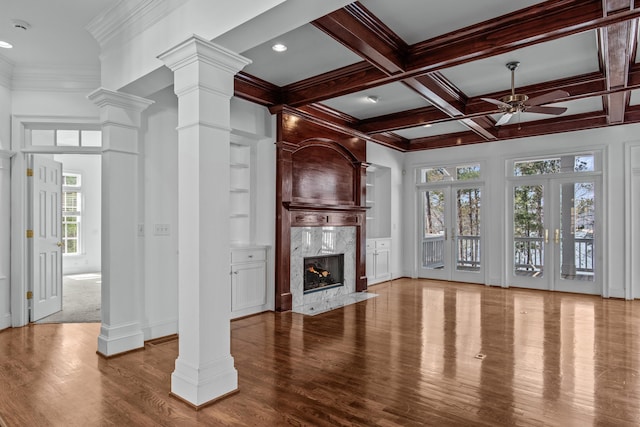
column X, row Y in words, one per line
column 91, row 138
column 42, row 137
column 71, row 247
column 71, row 230
column 71, row 201
column 584, row 163
column 564, row 164
column 71, row 180
column 435, row 175
column 68, row 138
column 464, row 173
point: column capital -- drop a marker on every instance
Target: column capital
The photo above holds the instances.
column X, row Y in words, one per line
column 198, row 49
column 113, row 103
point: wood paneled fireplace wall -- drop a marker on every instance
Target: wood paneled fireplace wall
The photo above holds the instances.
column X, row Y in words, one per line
column 320, row 182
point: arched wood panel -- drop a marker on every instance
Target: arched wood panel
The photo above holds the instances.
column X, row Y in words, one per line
column 322, row 174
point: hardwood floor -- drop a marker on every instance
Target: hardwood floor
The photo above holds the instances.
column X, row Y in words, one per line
column 405, row 358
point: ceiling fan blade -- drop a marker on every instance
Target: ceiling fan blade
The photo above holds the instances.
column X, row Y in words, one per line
column 496, row 102
column 547, row 97
column 546, row 110
column 504, row 119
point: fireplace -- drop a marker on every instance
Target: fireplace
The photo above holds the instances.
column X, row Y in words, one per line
column 323, row 272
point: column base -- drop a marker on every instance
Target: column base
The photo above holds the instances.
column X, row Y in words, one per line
column 119, row 339
column 201, row 385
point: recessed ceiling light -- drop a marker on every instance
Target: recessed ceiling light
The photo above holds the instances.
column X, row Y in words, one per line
column 373, row 99
column 5, row 45
column 279, row 47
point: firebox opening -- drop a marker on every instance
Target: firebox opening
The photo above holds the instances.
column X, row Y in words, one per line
column 323, row 272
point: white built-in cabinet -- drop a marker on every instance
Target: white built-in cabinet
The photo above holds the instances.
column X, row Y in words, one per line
column 249, row 266
column 378, row 260
column 248, row 280
column 378, row 202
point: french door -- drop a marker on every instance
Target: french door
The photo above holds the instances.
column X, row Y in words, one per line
column 554, row 227
column 450, row 245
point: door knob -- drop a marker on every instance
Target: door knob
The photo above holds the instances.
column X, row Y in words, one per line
column 59, row 244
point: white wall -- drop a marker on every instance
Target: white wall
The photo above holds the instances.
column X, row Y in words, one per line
column 5, row 118
column 159, row 187
column 159, row 205
column 5, row 205
column 394, row 160
column 494, row 156
column 90, row 167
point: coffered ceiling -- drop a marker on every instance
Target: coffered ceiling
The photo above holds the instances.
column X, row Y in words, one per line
column 429, row 63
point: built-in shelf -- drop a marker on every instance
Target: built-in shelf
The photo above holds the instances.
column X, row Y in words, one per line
column 378, row 186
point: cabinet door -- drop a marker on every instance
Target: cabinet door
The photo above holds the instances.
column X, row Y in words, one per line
column 248, row 286
column 382, row 264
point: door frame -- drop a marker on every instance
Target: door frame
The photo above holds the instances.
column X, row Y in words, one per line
column 450, row 189
column 20, row 275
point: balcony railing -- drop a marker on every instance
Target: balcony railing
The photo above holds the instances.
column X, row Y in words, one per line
column 528, row 253
column 467, row 252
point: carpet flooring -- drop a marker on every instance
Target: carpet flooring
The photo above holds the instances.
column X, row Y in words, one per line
column 80, row 300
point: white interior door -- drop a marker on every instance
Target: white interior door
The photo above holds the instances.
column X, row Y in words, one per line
column 46, row 223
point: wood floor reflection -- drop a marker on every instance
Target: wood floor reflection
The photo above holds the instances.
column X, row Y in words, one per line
column 410, row 357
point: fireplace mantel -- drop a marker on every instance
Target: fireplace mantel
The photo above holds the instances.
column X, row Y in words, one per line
column 320, row 182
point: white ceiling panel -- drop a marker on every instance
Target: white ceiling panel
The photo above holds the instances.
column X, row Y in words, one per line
column 57, row 35
column 635, row 97
column 579, row 106
column 434, row 130
column 561, row 58
column 392, row 97
column 418, row 20
column 309, row 52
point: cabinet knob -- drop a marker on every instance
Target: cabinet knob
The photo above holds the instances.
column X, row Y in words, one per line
column 235, row 272
column 250, row 256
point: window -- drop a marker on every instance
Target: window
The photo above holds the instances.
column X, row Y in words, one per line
column 71, row 212
column 554, row 165
column 66, row 138
column 449, row 173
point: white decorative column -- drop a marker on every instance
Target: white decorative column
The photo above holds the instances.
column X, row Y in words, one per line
column 121, row 292
column 203, row 82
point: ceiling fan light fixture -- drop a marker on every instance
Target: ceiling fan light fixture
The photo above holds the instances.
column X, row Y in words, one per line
column 279, row 47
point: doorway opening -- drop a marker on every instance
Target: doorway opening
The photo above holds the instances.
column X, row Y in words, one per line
column 80, row 240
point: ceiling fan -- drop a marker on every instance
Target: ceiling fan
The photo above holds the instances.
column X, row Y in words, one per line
column 519, row 103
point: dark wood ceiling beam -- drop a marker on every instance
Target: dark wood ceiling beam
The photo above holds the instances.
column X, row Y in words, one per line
column 617, row 45
column 540, row 23
column 256, row 90
column 401, row 120
column 364, row 34
column 541, row 127
column 446, row 97
column 392, row 141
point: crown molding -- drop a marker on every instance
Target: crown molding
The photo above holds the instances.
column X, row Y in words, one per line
column 6, row 72
column 128, row 18
column 59, row 79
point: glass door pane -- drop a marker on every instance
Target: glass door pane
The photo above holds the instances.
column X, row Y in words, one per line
column 577, row 228
column 529, row 234
column 434, row 229
column 467, row 241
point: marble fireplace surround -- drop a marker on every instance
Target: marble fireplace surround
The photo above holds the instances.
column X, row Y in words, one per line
column 319, row 241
